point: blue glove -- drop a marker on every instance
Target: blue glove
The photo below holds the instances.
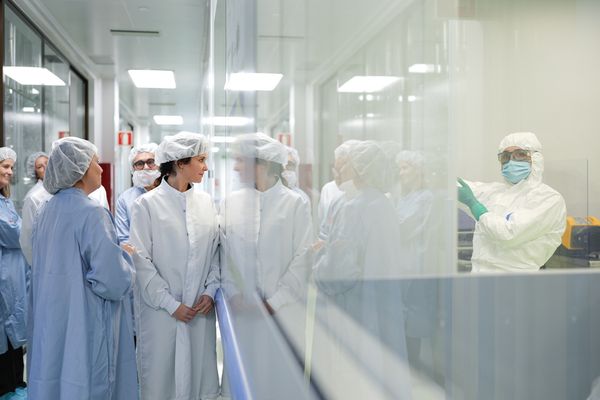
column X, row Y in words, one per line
column 466, row 196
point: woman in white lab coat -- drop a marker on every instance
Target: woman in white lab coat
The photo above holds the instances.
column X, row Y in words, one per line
column 266, row 230
column 175, row 232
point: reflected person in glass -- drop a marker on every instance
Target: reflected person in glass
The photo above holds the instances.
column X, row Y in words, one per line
column 413, row 201
column 520, row 221
column 361, row 270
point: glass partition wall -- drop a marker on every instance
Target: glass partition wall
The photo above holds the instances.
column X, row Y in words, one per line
column 44, row 98
column 364, row 286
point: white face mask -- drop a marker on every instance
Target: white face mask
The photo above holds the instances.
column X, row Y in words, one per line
column 291, row 178
column 145, row 177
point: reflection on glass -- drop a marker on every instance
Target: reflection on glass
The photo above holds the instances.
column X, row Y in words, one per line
column 22, row 103
column 386, row 102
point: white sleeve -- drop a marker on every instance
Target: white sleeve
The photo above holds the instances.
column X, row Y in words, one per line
column 292, row 284
column 548, row 214
column 25, row 239
column 153, row 288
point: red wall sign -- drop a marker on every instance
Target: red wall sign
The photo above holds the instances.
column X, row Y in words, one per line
column 125, row 138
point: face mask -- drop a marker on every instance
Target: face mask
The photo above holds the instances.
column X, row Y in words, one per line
column 516, row 171
column 145, row 177
column 290, row 177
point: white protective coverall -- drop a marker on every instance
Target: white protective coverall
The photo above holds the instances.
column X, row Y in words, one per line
column 176, row 236
column 524, row 223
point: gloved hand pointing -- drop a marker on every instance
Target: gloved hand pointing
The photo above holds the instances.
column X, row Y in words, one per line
column 466, row 196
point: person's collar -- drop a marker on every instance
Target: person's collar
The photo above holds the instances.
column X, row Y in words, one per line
column 164, row 185
column 273, row 189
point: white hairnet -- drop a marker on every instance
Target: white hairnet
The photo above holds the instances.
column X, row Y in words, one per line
column 370, row 163
column 145, row 148
column 414, row 158
column 293, row 154
column 30, row 165
column 261, row 146
column 181, row 145
column 343, row 150
column 524, row 140
column 69, row 160
column 269, row 149
column 6, row 153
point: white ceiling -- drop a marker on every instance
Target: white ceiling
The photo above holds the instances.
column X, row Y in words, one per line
column 180, row 47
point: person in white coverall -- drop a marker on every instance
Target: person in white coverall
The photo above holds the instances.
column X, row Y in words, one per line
column 174, row 228
column 521, row 220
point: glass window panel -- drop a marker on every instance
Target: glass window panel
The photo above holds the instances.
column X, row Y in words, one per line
column 56, row 98
column 22, row 102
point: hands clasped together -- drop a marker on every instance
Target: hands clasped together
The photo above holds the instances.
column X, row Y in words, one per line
column 204, row 305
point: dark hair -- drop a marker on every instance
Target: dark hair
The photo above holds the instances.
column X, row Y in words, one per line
column 168, row 168
column 273, row 168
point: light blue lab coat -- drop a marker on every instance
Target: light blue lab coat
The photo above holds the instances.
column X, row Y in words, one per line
column 123, row 212
column 81, row 339
column 13, row 279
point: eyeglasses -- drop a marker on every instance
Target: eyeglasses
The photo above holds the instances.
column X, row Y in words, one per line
column 139, row 165
column 515, row 155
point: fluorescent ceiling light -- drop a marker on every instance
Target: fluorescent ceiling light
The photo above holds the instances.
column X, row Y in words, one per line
column 214, row 149
column 367, row 84
column 168, row 119
column 422, row 68
column 245, row 82
column 152, row 78
column 33, row 76
column 28, row 109
column 228, row 121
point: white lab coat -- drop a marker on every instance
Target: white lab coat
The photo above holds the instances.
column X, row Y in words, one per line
column 523, row 226
column 34, row 199
column 176, row 237
column 329, row 194
column 278, row 233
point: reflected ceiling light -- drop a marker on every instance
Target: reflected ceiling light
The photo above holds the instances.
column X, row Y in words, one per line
column 251, row 82
column 367, row 84
column 152, row 78
column 168, row 119
column 412, row 98
column 214, row 149
column 227, row 121
column 28, row 109
column 422, row 68
column 35, row 91
column 33, row 76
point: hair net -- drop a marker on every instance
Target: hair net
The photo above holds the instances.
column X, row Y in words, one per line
column 69, row 159
column 145, row 148
column 30, row 165
column 259, row 145
column 343, row 150
column 414, row 158
column 293, row 154
column 370, row 163
column 524, row 140
column 181, row 145
column 6, row 153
